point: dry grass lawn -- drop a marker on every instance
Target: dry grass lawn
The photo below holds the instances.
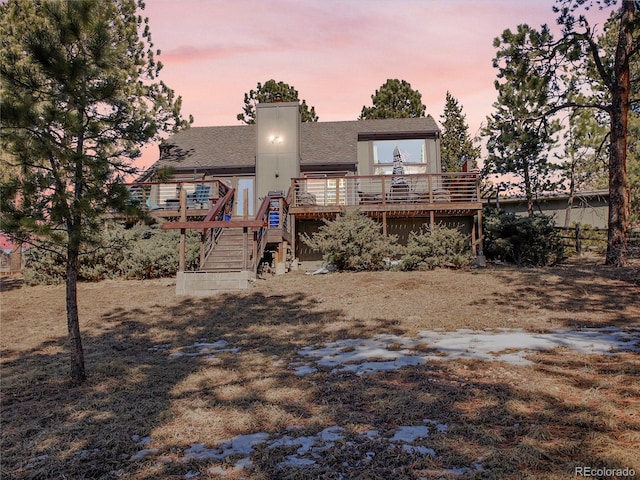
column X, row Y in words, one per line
column 503, row 421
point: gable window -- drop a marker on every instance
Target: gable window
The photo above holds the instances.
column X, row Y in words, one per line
column 413, row 155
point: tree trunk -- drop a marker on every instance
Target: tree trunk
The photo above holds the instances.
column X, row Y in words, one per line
column 73, row 323
column 572, row 196
column 74, row 230
column 618, row 191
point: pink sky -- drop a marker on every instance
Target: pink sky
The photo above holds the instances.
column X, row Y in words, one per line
column 336, row 53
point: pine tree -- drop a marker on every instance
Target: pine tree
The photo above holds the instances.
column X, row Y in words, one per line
column 269, row 92
column 520, row 137
column 394, row 99
column 455, row 142
column 608, row 74
column 80, row 96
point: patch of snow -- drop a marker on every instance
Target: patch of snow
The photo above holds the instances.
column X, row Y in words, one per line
column 410, row 434
column 241, row 444
column 83, row 454
column 218, row 471
column 243, row 463
column 391, row 352
column 440, row 427
column 332, row 434
column 305, row 370
column 295, row 461
column 200, row 348
column 143, row 453
column 309, row 449
column 419, row 449
column 141, row 440
column 371, row 434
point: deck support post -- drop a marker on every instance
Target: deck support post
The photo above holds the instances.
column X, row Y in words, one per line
column 245, row 246
column 432, row 220
column 384, row 223
column 281, row 258
column 474, row 242
column 480, row 234
column 255, row 249
column 245, row 230
column 183, row 232
column 203, row 239
column 292, row 223
column 480, row 256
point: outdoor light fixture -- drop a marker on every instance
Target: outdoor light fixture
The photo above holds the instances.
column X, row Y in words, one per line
column 276, row 140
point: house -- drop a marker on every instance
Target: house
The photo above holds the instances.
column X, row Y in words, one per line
column 256, row 188
column 587, row 208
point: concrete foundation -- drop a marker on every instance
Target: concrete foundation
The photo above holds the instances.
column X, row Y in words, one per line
column 203, row 284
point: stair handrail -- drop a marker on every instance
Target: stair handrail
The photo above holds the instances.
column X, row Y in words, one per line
column 284, row 214
column 209, row 236
column 260, row 234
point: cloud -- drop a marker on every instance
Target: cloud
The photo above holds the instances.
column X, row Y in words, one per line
column 195, row 54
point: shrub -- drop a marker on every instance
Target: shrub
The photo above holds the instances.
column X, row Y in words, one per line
column 353, row 242
column 439, row 246
column 139, row 252
column 525, row 241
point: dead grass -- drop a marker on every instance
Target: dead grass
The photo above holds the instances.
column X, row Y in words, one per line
column 539, row 421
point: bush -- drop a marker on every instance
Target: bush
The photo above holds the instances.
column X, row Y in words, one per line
column 525, row 241
column 353, row 242
column 439, row 246
column 139, row 252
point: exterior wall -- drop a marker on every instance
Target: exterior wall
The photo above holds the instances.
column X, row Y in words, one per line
column 304, row 253
column 433, row 154
column 402, row 227
column 201, row 284
column 277, row 146
column 587, row 209
column 365, row 166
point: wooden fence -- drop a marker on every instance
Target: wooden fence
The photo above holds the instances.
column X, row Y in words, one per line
column 581, row 238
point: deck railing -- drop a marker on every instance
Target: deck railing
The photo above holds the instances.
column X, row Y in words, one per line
column 459, row 187
column 159, row 196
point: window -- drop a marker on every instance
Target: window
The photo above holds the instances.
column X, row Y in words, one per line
column 413, row 153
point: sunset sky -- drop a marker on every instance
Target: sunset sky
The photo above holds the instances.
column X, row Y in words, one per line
column 336, row 53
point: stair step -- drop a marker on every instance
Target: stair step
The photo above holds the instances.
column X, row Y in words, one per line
column 227, row 255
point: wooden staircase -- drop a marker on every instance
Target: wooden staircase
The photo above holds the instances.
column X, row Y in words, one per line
column 227, row 255
column 230, row 263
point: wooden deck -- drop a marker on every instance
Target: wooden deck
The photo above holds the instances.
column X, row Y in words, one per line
column 417, row 195
column 162, row 199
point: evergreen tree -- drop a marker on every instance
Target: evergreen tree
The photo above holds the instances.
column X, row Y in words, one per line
column 633, row 170
column 518, row 147
column 455, row 143
column 394, row 99
column 599, row 94
column 583, row 166
column 270, row 92
column 606, row 74
column 80, row 96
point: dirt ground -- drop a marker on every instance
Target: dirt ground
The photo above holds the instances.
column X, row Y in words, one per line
column 571, row 409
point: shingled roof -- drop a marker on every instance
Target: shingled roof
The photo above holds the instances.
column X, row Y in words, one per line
column 321, row 143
